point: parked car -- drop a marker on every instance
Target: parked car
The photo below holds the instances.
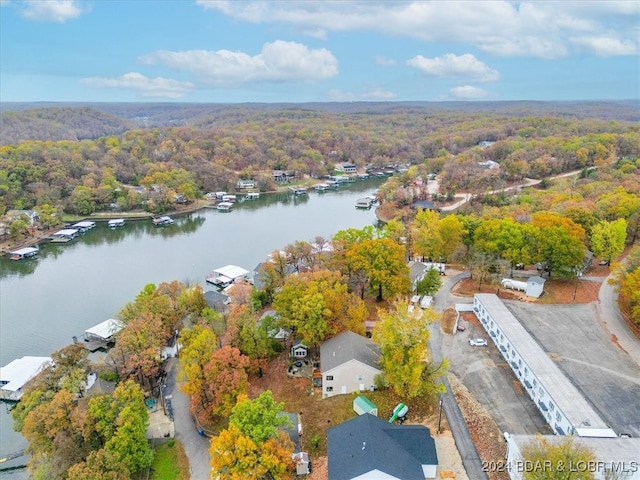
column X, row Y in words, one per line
column 478, row 342
column 460, row 328
column 415, row 299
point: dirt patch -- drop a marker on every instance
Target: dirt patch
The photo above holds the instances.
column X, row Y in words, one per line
column 485, row 433
column 555, row 291
column 448, row 320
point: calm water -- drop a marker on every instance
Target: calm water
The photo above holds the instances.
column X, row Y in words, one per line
column 46, row 301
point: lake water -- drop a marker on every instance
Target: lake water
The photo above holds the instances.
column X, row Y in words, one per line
column 70, row 287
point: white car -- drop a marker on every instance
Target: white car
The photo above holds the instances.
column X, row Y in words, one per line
column 415, row 299
column 478, row 342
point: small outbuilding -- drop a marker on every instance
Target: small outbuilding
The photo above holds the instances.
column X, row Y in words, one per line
column 535, row 286
column 362, row 405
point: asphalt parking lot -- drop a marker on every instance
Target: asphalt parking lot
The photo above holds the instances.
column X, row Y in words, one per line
column 572, row 336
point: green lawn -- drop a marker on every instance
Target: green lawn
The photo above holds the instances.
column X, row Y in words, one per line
column 170, row 462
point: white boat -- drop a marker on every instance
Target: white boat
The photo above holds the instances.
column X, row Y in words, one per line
column 116, row 222
column 224, row 206
column 364, row 203
column 253, row 195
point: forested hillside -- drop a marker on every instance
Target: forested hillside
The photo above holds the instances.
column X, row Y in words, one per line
column 85, row 176
column 73, row 121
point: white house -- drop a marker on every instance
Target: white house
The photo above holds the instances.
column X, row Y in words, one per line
column 349, row 363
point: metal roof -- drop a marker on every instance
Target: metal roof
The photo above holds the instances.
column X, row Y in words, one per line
column 17, row 373
column 231, row 271
column 106, row 329
column 565, row 395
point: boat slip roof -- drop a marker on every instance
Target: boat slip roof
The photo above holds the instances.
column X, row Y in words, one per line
column 106, row 329
column 67, row 231
column 568, row 398
column 84, row 224
column 24, row 251
column 17, row 373
column 231, row 271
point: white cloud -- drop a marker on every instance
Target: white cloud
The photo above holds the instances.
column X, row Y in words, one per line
column 461, row 66
column 606, row 46
column 468, row 92
column 384, row 61
column 50, row 10
column 501, row 27
column 278, row 61
column 373, row 94
column 146, row 87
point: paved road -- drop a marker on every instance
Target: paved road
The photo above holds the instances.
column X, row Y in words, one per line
column 195, row 445
column 611, row 319
column 466, row 448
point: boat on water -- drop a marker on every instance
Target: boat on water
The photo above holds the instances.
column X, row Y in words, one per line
column 22, row 253
column 162, row 221
column 116, row 222
column 224, row 206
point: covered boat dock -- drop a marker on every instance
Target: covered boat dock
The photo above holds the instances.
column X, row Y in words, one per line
column 224, row 276
column 101, row 335
column 18, row 373
column 23, row 253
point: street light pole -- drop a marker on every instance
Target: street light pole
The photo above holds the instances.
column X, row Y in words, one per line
column 439, row 412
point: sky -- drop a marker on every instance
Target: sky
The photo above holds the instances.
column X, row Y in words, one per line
column 209, row 51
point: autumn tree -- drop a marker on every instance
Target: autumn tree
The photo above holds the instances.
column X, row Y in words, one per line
column 254, row 446
column 383, row 264
column 557, row 455
column 404, row 355
column 317, row 304
column 198, row 345
column 430, row 283
column 561, row 252
column 507, row 239
column 608, row 239
column 225, row 378
column 425, row 234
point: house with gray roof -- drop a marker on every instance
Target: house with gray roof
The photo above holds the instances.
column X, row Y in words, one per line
column 367, row 448
column 349, row 363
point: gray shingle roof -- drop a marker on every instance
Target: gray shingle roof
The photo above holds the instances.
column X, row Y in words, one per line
column 367, row 443
column 348, row 346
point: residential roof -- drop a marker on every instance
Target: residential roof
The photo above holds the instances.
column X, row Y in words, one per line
column 18, row 372
column 106, row 329
column 367, row 443
column 536, row 279
column 348, row 346
column 216, row 300
column 563, row 392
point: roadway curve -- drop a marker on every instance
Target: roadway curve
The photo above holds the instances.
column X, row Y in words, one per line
column 611, row 319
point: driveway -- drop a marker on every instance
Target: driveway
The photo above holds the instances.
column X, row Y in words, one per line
column 195, row 445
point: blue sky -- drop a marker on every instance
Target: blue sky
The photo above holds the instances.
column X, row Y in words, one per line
column 318, row 51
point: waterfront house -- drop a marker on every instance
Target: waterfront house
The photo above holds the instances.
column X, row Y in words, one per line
column 282, row 176
column 30, row 216
column 16, row 374
column 219, row 301
column 367, row 448
column 347, row 168
column 349, row 363
column 245, row 184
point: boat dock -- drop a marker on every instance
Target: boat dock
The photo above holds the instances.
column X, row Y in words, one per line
column 23, row 253
column 116, row 222
column 224, row 206
column 16, row 374
column 364, row 203
column 66, row 235
column 298, row 190
column 84, row 226
column 162, row 221
column 225, row 276
column 100, row 336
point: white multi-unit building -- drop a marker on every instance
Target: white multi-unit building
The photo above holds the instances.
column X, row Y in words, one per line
column 559, row 401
